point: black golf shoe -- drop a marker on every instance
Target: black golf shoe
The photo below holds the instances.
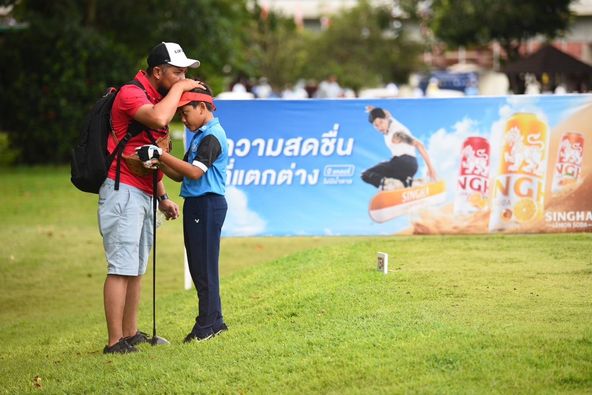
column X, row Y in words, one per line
column 192, row 337
column 223, row 328
column 138, row 338
column 121, row 347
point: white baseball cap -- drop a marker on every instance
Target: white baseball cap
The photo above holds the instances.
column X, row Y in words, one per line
column 170, row 53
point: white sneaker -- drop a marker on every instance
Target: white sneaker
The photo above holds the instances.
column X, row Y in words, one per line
column 391, row 184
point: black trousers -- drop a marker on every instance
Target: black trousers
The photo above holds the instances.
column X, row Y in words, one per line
column 403, row 168
column 203, row 218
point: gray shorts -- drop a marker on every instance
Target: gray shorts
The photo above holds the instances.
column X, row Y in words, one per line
column 125, row 222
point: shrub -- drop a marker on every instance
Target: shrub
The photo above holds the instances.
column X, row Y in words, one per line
column 46, row 97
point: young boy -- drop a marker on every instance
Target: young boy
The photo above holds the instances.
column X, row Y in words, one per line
column 203, row 175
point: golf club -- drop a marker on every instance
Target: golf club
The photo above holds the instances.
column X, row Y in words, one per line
column 156, row 340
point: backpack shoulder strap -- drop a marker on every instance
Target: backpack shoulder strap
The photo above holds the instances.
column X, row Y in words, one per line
column 133, row 130
column 136, row 127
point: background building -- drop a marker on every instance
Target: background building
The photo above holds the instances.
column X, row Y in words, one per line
column 312, row 14
column 316, row 14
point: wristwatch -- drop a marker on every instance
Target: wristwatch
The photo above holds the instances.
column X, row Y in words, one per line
column 162, row 198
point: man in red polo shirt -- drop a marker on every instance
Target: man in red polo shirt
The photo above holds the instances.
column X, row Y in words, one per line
column 125, row 210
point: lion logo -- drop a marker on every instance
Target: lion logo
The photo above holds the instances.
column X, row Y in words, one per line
column 475, row 161
column 524, row 157
column 571, row 153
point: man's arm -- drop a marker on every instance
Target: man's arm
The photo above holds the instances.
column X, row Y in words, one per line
column 167, row 206
column 159, row 115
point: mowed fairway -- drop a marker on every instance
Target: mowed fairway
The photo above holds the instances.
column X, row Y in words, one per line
column 481, row 314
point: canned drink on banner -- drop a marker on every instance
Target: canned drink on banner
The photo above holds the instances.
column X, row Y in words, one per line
column 472, row 187
column 568, row 168
column 519, row 187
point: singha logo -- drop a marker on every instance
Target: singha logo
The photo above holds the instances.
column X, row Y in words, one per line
column 570, row 153
column 475, row 161
column 528, row 157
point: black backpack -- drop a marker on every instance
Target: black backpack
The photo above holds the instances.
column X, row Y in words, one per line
column 90, row 158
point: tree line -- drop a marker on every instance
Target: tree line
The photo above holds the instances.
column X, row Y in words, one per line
column 61, row 55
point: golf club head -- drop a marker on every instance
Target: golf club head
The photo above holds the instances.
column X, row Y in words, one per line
column 159, row 341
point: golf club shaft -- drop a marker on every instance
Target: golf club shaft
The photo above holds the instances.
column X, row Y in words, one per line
column 154, row 198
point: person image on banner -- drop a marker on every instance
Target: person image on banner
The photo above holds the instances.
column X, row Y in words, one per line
column 400, row 170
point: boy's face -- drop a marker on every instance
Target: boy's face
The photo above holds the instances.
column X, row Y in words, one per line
column 193, row 117
column 381, row 124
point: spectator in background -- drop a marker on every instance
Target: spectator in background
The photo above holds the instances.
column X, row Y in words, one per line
column 311, row 88
column 392, row 89
column 329, row 88
column 241, row 84
column 414, row 84
column 349, row 93
column 533, row 87
column 433, row 87
column 262, row 89
column 560, row 89
column 546, row 84
column 294, row 92
column 472, row 88
column 239, row 87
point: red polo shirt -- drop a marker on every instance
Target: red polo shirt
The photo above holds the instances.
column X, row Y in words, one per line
column 127, row 102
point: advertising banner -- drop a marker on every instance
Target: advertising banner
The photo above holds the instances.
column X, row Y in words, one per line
column 515, row 164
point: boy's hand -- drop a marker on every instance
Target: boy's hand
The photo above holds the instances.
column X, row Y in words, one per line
column 151, row 164
column 148, row 152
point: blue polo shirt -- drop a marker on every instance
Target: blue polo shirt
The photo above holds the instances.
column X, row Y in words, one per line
column 208, row 150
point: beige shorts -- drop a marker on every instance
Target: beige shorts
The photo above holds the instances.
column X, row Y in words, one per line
column 125, row 222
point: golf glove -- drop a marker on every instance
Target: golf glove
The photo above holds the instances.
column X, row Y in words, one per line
column 148, row 152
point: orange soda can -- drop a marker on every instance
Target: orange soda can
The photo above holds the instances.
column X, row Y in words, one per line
column 568, row 168
column 472, row 187
column 519, row 188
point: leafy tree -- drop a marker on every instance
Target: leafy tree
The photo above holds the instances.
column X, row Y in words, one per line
column 362, row 49
column 53, row 71
column 277, row 50
column 511, row 23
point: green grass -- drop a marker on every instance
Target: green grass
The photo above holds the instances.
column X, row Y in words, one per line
column 482, row 314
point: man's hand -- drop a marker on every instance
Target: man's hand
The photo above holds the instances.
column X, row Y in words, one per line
column 148, row 152
column 169, row 209
column 188, row 84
